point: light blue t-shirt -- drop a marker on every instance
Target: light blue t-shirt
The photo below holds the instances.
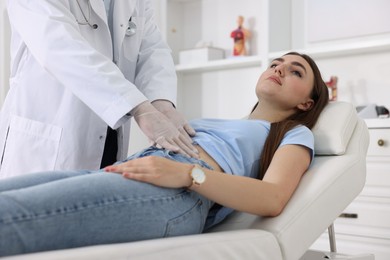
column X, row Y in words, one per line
column 236, row 145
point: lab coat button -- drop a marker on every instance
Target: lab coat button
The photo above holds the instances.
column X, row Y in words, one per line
column 101, row 137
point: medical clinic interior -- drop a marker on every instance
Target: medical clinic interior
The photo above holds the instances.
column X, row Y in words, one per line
column 341, row 208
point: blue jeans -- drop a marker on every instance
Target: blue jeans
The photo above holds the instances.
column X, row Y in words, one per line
column 56, row 210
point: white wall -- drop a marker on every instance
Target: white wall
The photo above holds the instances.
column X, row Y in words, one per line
column 363, row 79
column 343, row 19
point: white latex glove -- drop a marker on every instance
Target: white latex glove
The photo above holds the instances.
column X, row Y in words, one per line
column 167, row 108
column 161, row 131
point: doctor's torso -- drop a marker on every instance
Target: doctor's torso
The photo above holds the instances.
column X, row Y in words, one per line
column 69, row 80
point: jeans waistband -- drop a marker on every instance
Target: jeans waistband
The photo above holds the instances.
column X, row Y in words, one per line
column 155, row 151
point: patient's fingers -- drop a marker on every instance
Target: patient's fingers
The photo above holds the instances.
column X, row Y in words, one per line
column 140, row 165
column 154, row 170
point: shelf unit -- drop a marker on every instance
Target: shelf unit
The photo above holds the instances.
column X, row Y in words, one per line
column 316, row 53
column 216, row 65
column 186, row 22
column 277, row 26
column 341, row 50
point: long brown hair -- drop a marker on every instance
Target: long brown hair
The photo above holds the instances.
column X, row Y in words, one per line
column 320, row 96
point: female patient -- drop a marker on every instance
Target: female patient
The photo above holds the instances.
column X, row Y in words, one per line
column 251, row 165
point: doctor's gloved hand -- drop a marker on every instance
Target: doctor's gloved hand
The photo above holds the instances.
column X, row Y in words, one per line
column 167, row 108
column 161, row 131
column 177, row 119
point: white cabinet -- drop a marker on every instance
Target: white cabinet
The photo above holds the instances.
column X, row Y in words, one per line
column 364, row 227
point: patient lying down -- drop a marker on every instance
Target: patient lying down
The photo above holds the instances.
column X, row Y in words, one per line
column 252, row 165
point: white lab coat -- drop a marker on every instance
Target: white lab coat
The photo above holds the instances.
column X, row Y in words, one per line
column 65, row 89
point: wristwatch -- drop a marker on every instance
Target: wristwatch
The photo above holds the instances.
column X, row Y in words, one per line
column 198, row 176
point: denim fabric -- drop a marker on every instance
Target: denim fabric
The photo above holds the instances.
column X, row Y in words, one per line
column 55, row 210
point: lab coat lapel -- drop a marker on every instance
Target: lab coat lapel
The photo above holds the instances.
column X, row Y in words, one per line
column 99, row 8
column 104, row 44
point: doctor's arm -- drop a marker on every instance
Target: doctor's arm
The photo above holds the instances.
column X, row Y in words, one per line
column 57, row 44
column 156, row 78
column 266, row 197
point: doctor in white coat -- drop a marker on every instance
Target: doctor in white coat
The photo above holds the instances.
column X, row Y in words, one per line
column 80, row 70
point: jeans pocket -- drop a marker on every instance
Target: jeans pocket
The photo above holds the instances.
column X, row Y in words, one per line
column 190, row 222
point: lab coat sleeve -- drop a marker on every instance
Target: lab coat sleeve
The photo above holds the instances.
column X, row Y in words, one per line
column 155, row 58
column 51, row 34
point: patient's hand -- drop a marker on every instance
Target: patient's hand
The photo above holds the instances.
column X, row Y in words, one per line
column 155, row 170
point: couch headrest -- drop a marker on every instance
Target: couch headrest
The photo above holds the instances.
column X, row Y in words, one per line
column 334, row 128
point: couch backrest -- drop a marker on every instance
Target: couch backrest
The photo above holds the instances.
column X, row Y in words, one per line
column 334, row 128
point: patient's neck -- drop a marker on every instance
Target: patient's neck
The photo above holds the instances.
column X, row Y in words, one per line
column 269, row 113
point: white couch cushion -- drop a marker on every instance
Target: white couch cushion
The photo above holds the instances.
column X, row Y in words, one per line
column 240, row 244
column 332, row 133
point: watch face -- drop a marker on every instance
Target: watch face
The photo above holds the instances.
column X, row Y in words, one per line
column 198, row 175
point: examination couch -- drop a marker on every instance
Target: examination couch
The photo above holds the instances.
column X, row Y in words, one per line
column 335, row 178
